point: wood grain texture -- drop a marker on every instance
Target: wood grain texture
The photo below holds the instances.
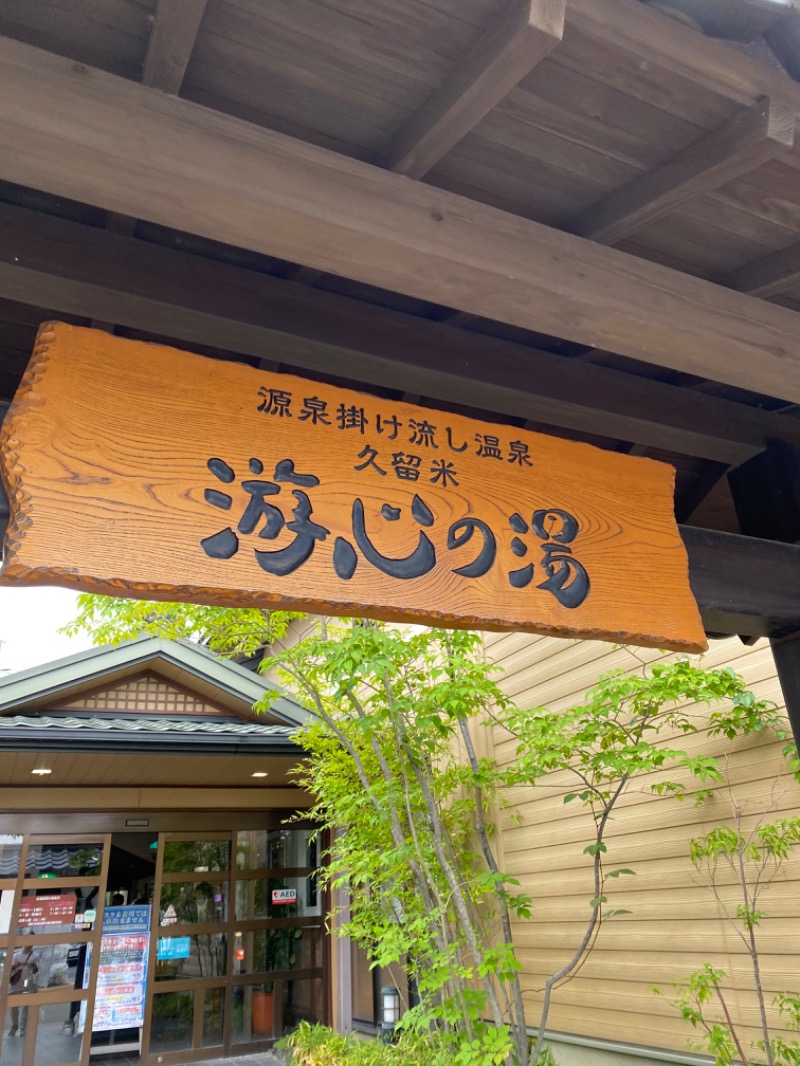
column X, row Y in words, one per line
column 219, row 177
column 758, row 135
column 765, row 277
column 172, row 37
column 679, row 50
column 126, row 466
column 527, row 32
column 81, row 270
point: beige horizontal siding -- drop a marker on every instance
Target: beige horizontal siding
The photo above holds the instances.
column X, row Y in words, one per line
column 676, row 924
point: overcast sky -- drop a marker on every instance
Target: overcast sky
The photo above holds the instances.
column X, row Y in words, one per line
column 29, row 621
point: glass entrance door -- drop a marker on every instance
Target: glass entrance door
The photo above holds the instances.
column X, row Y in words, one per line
column 52, row 895
column 237, row 946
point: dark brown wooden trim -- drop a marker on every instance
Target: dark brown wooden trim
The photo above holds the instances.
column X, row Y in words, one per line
column 77, row 269
column 759, row 134
column 510, row 49
column 786, row 653
column 295, row 201
column 743, row 585
column 687, row 502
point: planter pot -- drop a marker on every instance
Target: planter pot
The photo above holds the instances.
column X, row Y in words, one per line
column 263, row 1013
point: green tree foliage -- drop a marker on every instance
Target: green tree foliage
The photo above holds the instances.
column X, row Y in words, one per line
column 230, row 632
column 395, row 767
column 751, row 859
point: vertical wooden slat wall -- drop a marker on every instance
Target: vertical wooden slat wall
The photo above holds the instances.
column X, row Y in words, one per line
column 675, row 924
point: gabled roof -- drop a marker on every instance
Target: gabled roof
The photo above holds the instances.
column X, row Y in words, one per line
column 227, row 683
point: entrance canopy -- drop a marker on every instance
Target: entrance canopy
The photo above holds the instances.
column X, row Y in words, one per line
column 574, row 216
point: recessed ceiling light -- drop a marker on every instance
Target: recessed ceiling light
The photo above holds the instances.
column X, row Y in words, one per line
column 259, row 773
column 41, row 770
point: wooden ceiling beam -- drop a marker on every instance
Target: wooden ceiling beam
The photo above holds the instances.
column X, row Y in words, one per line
column 765, row 277
column 759, row 134
column 81, row 270
column 94, row 137
column 509, row 50
column 172, row 36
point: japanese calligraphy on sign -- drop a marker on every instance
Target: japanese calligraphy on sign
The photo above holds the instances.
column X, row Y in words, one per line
column 179, row 477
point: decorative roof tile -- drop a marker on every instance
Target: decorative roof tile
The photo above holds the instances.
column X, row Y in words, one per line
column 148, row 724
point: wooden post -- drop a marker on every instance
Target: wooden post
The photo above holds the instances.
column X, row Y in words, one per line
column 786, row 652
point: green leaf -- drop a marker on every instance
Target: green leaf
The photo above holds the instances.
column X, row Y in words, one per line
column 594, row 849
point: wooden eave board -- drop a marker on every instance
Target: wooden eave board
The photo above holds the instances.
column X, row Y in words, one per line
column 83, row 769
column 334, row 69
column 705, row 251
column 109, row 34
column 736, row 224
column 649, row 82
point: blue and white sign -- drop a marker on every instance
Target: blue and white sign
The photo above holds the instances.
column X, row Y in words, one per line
column 133, row 919
column 121, row 970
column 174, row 947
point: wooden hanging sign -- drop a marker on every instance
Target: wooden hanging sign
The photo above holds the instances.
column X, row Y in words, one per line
column 134, row 469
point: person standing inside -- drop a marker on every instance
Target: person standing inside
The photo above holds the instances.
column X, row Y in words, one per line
column 24, row 968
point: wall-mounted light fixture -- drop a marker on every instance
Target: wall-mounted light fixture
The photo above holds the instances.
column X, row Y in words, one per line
column 390, row 1012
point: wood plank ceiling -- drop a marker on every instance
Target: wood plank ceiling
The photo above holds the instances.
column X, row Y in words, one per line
column 599, row 118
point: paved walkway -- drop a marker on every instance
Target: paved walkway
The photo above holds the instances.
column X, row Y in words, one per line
column 264, row 1059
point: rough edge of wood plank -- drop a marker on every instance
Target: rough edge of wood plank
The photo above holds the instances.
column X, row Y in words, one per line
column 725, row 609
column 17, row 500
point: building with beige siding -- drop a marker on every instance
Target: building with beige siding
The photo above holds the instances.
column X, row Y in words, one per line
column 675, row 924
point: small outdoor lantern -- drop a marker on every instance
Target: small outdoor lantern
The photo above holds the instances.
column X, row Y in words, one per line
column 390, row 1012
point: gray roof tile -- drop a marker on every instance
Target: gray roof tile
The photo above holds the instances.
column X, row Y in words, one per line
column 145, row 724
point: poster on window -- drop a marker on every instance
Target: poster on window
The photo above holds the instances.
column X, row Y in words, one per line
column 122, row 970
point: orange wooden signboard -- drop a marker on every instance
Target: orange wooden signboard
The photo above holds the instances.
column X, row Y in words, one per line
column 140, row 470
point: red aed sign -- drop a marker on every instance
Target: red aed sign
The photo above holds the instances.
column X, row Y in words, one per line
column 47, row 910
column 284, row 895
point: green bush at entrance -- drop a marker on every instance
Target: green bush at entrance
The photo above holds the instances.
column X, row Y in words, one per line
column 316, row 1045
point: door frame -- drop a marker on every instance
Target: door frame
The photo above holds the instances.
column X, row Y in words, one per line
column 14, row 939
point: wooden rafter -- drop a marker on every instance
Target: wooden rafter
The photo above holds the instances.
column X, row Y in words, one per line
column 172, row 37
column 81, row 270
column 761, row 133
column 507, row 52
column 772, row 274
column 66, row 129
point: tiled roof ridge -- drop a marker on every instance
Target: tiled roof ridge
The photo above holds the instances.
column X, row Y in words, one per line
column 145, row 724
